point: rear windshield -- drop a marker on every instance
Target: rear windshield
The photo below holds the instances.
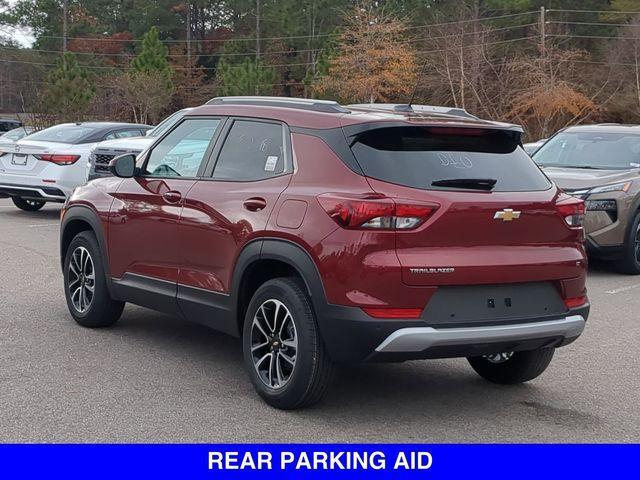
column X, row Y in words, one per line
column 63, row 134
column 418, row 157
column 606, row 151
column 15, row 134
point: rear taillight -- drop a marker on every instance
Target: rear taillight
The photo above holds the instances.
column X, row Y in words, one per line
column 394, row 313
column 57, row 158
column 575, row 302
column 572, row 210
column 375, row 212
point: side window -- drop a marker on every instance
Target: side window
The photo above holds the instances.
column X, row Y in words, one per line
column 252, row 151
column 128, row 133
column 181, row 152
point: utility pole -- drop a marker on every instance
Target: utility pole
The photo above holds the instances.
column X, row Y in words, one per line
column 257, row 89
column 257, row 30
column 189, row 64
column 65, row 11
column 543, row 35
column 189, row 34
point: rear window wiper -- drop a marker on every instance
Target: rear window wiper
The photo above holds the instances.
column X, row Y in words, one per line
column 586, row 167
column 470, row 183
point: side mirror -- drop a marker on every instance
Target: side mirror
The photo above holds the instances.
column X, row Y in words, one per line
column 123, row 166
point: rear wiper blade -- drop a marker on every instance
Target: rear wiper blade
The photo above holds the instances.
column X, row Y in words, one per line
column 586, row 167
column 470, row 183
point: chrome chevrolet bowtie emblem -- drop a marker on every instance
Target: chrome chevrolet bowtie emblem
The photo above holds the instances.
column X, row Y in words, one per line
column 507, row 215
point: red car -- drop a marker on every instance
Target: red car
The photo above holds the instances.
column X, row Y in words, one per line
column 322, row 234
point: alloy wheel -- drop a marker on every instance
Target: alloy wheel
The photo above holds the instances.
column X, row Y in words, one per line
column 82, row 279
column 499, row 357
column 274, row 344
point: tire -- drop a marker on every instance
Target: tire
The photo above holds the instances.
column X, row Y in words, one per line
column 520, row 367
column 296, row 385
column 27, row 205
column 98, row 309
column 630, row 263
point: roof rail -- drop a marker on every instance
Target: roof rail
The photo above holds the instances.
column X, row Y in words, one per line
column 325, row 106
column 406, row 108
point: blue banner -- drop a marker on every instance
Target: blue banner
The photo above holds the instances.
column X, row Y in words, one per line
column 519, row 462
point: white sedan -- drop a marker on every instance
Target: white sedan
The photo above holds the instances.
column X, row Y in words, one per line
column 47, row 165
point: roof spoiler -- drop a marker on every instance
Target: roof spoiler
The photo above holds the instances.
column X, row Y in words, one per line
column 406, row 108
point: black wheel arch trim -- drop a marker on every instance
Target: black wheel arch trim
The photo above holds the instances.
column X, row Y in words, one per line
column 288, row 252
column 89, row 216
column 635, row 211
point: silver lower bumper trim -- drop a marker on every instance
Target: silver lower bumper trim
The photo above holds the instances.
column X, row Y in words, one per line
column 33, row 188
column 418, row 339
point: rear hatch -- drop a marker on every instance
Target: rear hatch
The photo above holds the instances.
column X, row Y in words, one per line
column 497, row 221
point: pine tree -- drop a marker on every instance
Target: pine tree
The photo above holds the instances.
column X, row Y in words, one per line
column 69, row 91
column 153, row 57
column 151, row 68
column 251, row 77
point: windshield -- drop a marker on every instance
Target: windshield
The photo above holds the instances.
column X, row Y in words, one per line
column 66, row 133
column 166, row 124
column 432, row 158
column 603, row 151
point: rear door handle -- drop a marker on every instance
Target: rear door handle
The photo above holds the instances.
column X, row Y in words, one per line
column 255, row 204
column 172, row 196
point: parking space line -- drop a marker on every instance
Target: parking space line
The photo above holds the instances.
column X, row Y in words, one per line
column 623, row 289
column 37, row 225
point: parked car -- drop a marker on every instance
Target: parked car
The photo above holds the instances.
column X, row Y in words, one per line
column 106, row 151
column 7, row 124
column 533, row 147
column 325, row 234
column 601, row 164
column 12, row 136
column 47, row 165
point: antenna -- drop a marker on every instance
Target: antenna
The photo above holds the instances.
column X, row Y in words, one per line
column 415, row 88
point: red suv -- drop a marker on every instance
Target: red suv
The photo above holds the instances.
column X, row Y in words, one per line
column 325, row 234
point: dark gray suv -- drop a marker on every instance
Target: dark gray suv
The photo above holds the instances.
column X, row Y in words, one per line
column 601, row 164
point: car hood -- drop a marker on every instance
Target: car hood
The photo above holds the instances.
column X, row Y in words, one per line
column 578, row 178
column 131, row 143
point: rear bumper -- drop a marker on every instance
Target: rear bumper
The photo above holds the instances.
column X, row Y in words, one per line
column 420, row 339
column 351, row 336
column 604, row 252
column 32, row 192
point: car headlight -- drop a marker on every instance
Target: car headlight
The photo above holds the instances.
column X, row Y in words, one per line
column 616, row 187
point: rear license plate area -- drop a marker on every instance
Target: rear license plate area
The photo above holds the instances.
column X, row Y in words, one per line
column 493, row 304
column 19, row 159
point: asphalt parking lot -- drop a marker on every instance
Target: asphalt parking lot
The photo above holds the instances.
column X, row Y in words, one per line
column 156, row 378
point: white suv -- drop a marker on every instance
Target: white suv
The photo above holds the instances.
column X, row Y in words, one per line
column 104, row 152
column 47, row 165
